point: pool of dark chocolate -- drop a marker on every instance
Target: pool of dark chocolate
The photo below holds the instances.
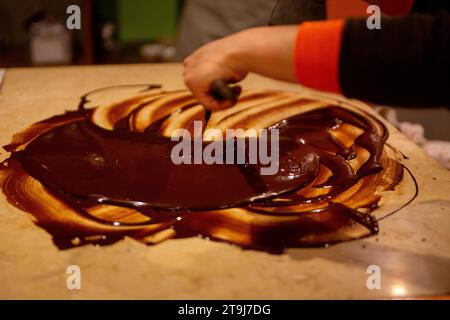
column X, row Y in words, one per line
column 84, row 165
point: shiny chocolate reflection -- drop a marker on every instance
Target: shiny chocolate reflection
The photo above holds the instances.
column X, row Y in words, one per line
column 98, row 174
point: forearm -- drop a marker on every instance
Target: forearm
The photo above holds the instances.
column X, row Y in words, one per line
column 406, row 62
column 268, row 51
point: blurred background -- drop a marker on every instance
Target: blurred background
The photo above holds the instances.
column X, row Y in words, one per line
column 34, row 33
column 112, row 31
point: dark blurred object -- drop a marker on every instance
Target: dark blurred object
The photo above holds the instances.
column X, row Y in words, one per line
column 107, row 32
column 5, row 30
column 426, row 6
column 297, row 11
column 221, row 90
column 33, row 18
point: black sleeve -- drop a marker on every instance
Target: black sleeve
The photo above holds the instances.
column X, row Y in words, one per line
column 405, row 63
column 430, row 6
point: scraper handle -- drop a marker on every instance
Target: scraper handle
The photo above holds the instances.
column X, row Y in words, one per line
column 221, row 90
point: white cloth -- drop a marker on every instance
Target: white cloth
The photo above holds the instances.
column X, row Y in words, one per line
column 437, row 149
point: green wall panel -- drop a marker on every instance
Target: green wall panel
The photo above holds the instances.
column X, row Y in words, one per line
column 146, row 20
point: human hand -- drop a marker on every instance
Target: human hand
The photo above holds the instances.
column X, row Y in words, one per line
column 267, row 51
column 217, row 60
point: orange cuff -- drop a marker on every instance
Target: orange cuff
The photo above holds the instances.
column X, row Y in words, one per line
column 317, row 52
column 395, row 7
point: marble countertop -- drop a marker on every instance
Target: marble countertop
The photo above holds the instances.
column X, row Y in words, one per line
column 412, row 249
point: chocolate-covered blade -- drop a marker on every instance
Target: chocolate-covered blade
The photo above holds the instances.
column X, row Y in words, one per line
column 221, row 91
column 207, row 115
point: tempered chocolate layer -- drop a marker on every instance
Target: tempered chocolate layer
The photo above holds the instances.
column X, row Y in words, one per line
column 110, row 168
column 135, row 169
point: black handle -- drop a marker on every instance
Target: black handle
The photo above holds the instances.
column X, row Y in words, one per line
column 223, row 91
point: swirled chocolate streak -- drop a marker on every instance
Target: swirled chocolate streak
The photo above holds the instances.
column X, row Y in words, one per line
column 95, row 175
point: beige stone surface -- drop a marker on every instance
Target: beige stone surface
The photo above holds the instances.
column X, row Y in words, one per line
column 412, row 248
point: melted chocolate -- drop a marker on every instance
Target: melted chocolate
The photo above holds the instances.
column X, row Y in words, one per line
column 85, row 165
column 135, row 169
